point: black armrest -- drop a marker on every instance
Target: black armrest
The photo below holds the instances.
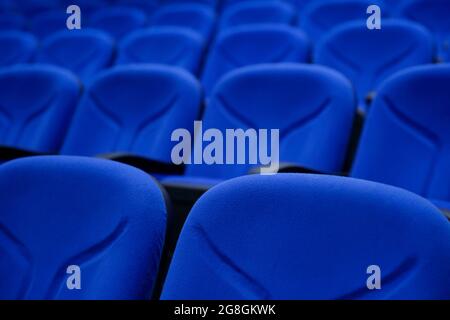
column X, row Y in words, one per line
column 286, row 168
column 145, row 164
column 11, row 153
column 446, row 212
column 370, row 97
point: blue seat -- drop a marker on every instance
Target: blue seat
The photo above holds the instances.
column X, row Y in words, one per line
column 319, row 17
column 312, row 106
column 211, row 3
column 47, row 23
column 256, row 13
column 85, row 52
column 16, row 47
column 292, row 236
column 134, row 109
column 163, row 45
column 197, row 17
column 226, row 4
column 36, row 106
column 367, row 57
column 433, row 14
column 248, row 45
column 118, row 21
column 148, row 6
column 32, row 7
column 68, row 216
column 406, row 140
column 10, row 21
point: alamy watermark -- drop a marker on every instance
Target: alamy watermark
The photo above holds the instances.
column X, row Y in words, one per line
column 236, row 147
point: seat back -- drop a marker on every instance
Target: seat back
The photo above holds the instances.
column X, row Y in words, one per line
column 36, row 106
column 406, row 140
column 118, row 21
column 164, row 45
column 134, row 109
column 251, row 45
column 65, row 218
column 433, row 14
column 319, row 17
column 292, row 236
column 16, row 47
column 85, row 52
column 197, row 17
column 367, row 57
column 257, row 12
column 311, row 106
column 10, row 21
column 46, row 23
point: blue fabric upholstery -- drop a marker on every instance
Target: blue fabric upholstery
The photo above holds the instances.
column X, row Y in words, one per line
column 225, row 4
column 163, row 45
column 9, row 21
column 85, row 52
column 297, row 236
column 250, row 45
column 257, row 12
column 16, row 47
column 148, row 6
column 197, row 17
column 107, row 218
column 433, row 14
column 367, row 57
column 312, row 106
column 211, row 3
column 36, row 106
column 406, row 140
column 118, row 21
column 49, row 22
column 134, row 109
column 319, row 17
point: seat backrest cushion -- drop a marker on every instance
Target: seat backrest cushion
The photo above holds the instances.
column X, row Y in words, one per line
column 164, row 45
column 406, row 140
column 311, row 106
column 292, row 236
column 106, row 218
column 84, row 52
column 16, row 47
column 248, row 45
column 134, row 109
column 36, row 106
column 367, row 57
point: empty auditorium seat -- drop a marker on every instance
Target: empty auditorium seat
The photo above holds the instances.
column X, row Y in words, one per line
column 32, row 7
column 118, row 21
column 75, row 228
column 433, row 14
column 16, row 47
column 134, row 109
column 312, row 106
column 248, row 45
column 256, row 12
column 293, row 236
column 210, row 3
column 368, row 57
column 148, row 6
column 10, row 21
column 319, row 17
column 163, row 45
column 199, row 18
column 225, row 4
column 84, row 52
column 46, row 23
column 36, row 106
column 406, row 140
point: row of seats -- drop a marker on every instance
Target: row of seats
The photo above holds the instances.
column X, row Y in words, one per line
column 135, row 109
column 81, row 228
column 315, row 19
column 365, row 57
